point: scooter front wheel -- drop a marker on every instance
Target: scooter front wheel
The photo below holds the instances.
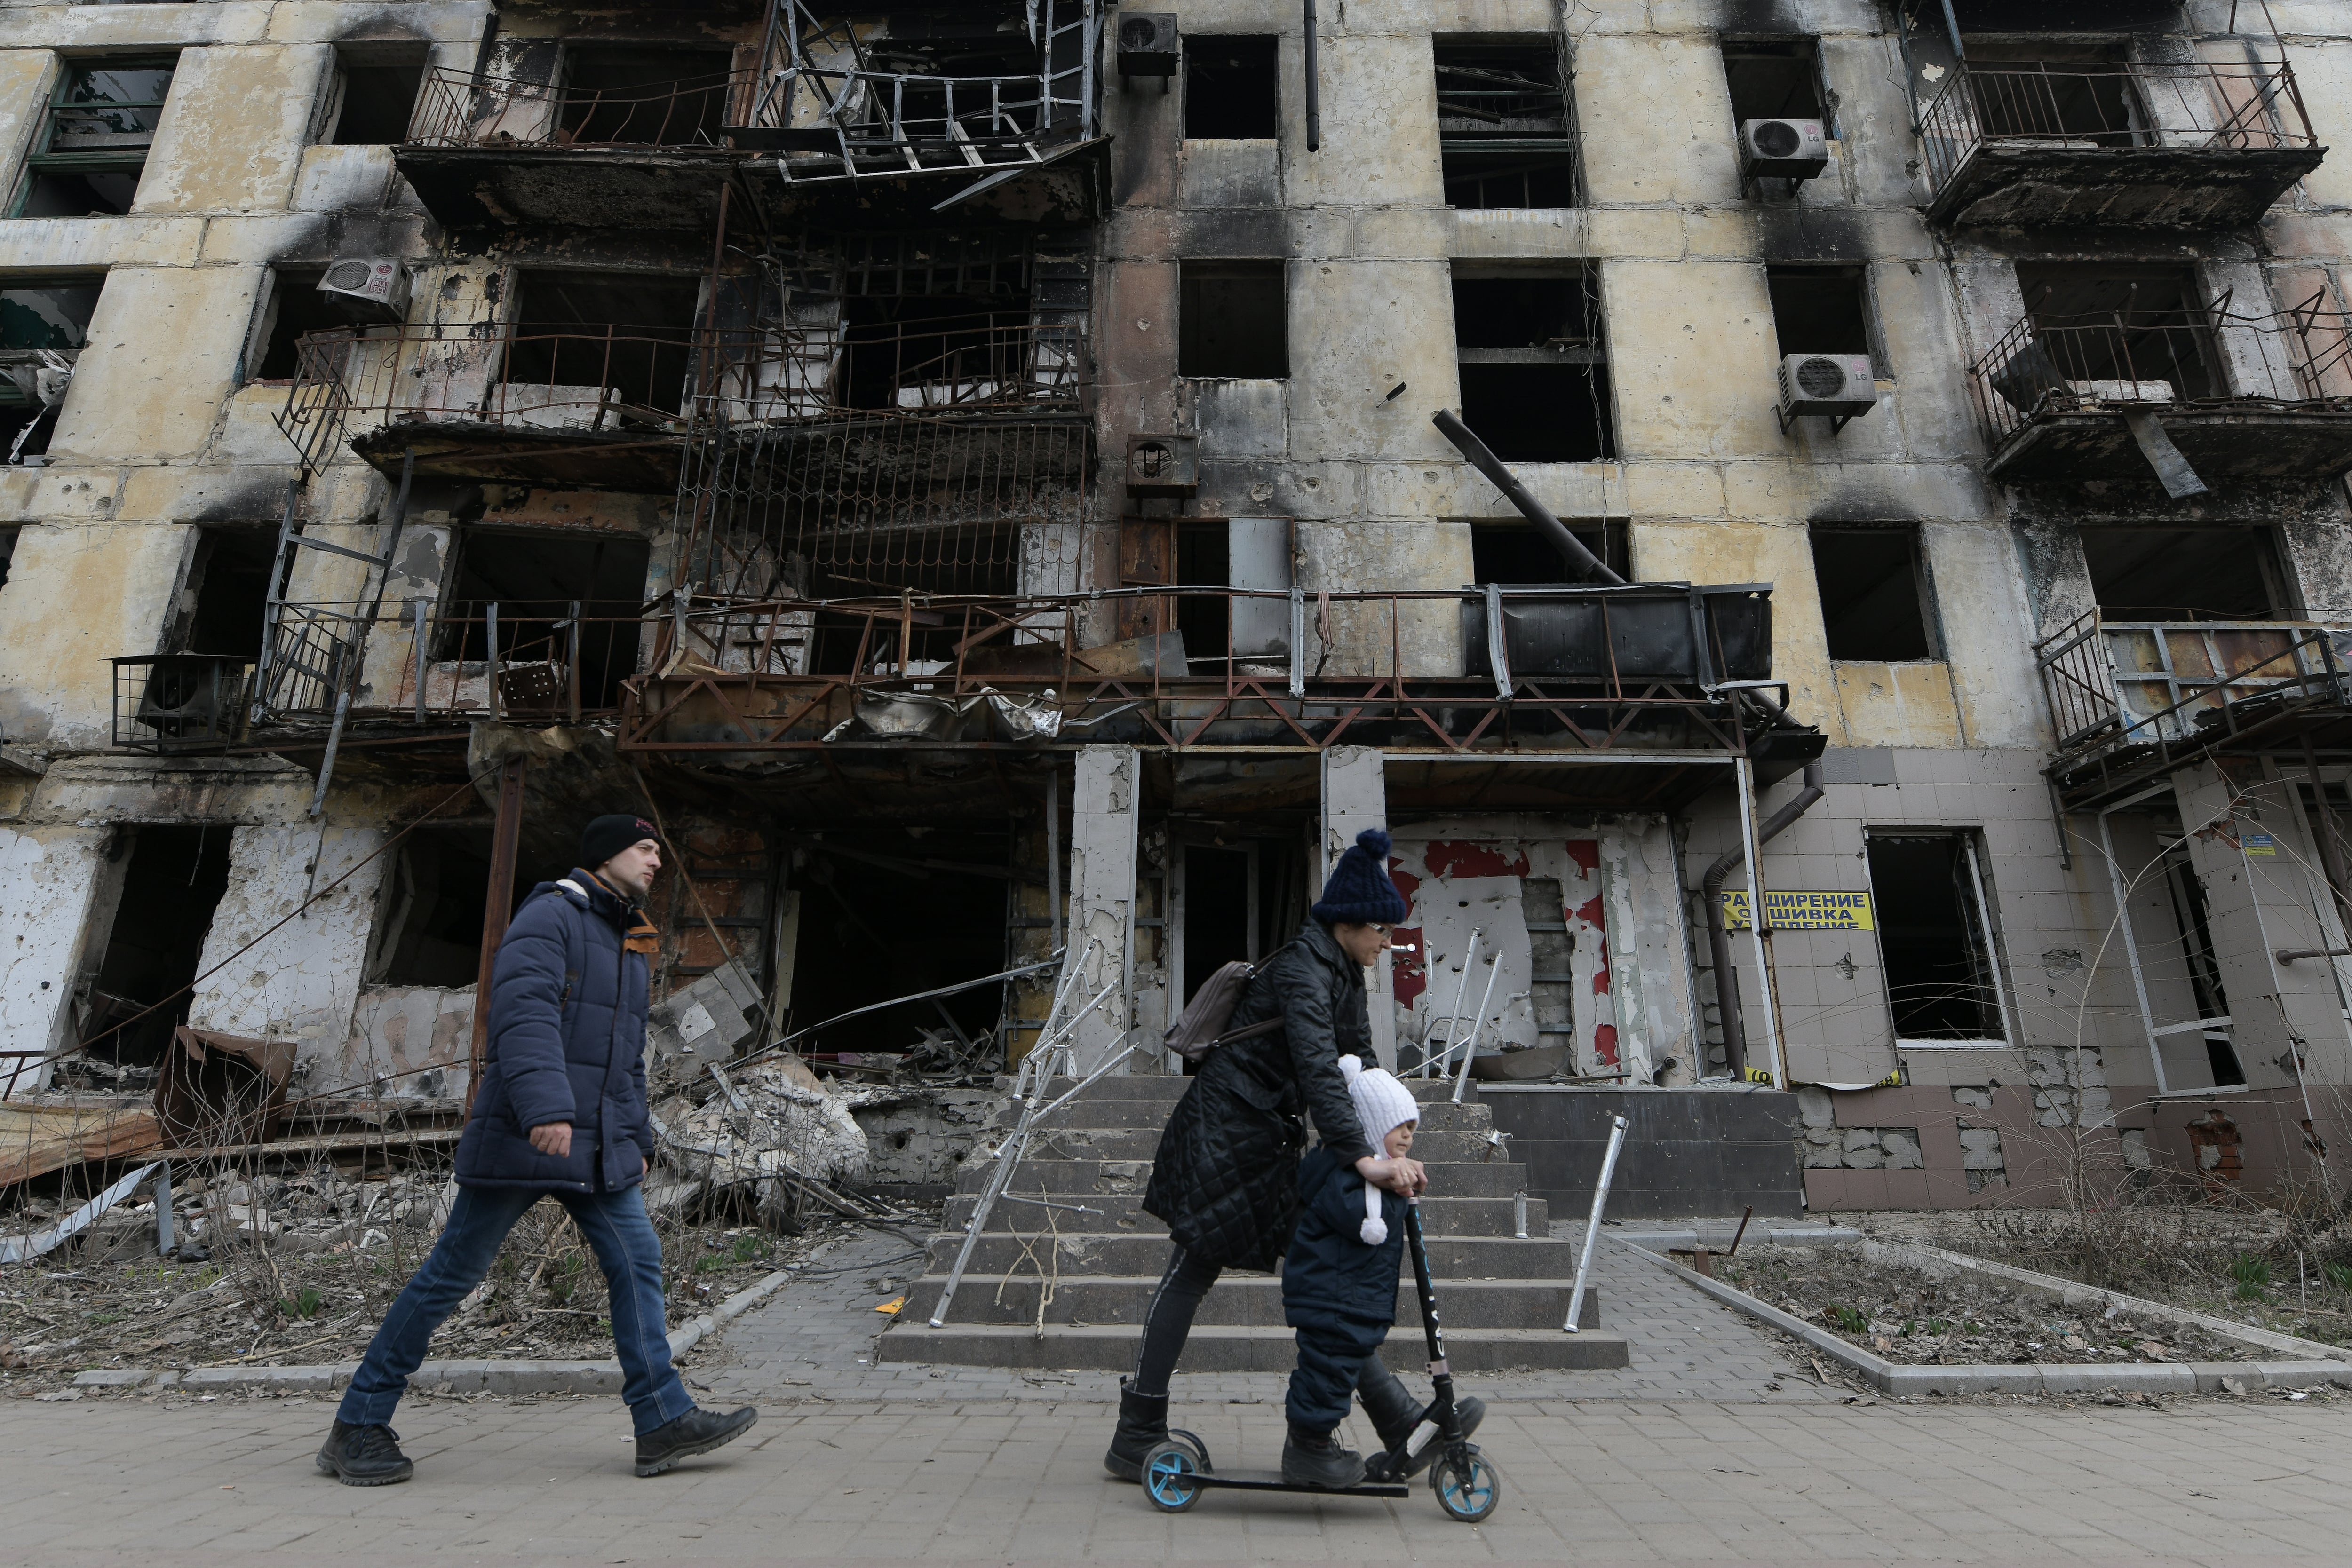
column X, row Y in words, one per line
column 1466, row 1485
column 1171, row 1477
column 1192, row 1440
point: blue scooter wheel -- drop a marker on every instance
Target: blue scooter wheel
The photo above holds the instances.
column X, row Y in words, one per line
column 1467, row 1488
column 1193, row 1441
column 1171, row 1477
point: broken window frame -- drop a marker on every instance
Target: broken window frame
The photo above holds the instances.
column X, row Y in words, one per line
column 1865, row 288
column 1558, row 149
column 127, row 156
column 36, row 378
column 1588, row 347
column 268, row 311
column 1923, row 585
column 327, row 127
column 1980, row 923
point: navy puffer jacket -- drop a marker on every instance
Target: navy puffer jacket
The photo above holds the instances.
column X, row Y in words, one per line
column 567, row 1044
column 1332, row 1271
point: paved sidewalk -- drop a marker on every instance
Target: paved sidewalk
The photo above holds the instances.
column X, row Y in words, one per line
column 125, row 1481
column 815, row 1340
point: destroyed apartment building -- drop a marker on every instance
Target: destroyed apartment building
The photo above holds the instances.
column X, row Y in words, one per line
column 1856, row 668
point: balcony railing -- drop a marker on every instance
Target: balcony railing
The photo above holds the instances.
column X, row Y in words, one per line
column 426, row 662
column 999, row 361
column 839, row 112
column 2173, row 684
column 2174, row 360
column 2196, row 106
column 180, row 702
column 459, row 108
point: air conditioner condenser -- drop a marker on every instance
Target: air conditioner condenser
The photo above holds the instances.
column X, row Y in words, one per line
column 1845, row 386
column 1783, row 148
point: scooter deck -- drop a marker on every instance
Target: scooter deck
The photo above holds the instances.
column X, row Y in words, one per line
column 1271, row 1480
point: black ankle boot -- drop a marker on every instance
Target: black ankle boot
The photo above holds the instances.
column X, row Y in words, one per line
column 1395, row 1413
column 1317, row 1459
column 1142, row 1426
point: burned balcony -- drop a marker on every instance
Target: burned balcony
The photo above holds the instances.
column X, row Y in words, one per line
column 2131, row 701
column 2187, row 393
column 180, row 702
column 595, row 408
column 2192, row 145
column 973, row 98
column 640, row 144
column 1631, row 679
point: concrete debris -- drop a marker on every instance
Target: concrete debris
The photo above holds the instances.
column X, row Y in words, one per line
column 778, row 1121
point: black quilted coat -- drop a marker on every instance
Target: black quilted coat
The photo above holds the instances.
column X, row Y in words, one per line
column 1226, row 1177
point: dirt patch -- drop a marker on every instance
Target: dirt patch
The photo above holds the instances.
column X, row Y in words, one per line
column 1922, row 1317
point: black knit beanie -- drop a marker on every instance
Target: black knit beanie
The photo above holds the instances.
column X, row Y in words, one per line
column 1360, row 891
column 608, row 836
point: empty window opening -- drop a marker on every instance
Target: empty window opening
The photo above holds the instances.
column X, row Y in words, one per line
column 1820, row 310
column 1535, row 367
column 1233, row 87
column 7, row 552
column 630, row 94
column 93, row 140
column 226, row 594
column 1935, row 936
column 535, row 577
column 2121, row 333
column 610, row 349
column 1775, row 79
column 2080, row 95
column 44, row 325
column 852, row 949
column 295, row 309
column 2186, row 574
column 2186, row 894
column 372, row 97
column 428, row 928
column 171, row 879
column 1875, row 606
column 1203, row 560
column 1219, row 910
column 1505, row 128
column 1233, row 319
column 931, row 351
column 1514, row 554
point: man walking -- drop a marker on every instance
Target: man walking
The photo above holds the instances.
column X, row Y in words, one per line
column 559, row 1112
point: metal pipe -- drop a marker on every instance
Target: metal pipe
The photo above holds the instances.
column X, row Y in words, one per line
column 1053, row 858
column 1555, row 532
column 1314, row 96
column 2289, row 955
column 1617, row 1125
column 497, row 908
column 1746, row 772
column 1718, row 938
column 1470, row 1047
column 1454, row 1018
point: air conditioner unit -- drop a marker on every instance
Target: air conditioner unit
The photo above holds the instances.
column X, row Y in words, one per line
column 1783, row 148
column 1147, row 45
column 1840, row 384
column 369, row 287
column 1163, row 467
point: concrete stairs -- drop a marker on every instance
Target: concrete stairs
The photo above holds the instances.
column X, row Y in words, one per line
column 1052, row 1288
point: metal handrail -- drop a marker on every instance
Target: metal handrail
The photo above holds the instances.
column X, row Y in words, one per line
column 2188, row 104
column 469, row 109
column 2084, row 680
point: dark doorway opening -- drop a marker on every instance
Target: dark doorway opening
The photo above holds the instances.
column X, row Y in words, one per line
column 2186, row 574
column 428, row 927
column 628, row 335
column 1935, row 936
column 2189, row 913
column 859, row 942
column 377, row 95
column 932, row 350
column 1203, row 560
column 296, row 308
column 1534, row 366
column 1217, row 898
column 226, row 594
column 2113, row 324
column 1874, row 587
column 1233, row 320
column 1233, row 87
column 171, row 886
column 536, row 579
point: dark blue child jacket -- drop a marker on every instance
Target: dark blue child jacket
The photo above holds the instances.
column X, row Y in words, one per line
column 1331, row 1269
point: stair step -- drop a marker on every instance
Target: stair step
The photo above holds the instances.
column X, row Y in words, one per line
column 1100, row 1254
column 1440, row 1215
column 1055, row 1141
column 1243, row 1301
column 908, row 1342
column 1129, row 1178
column 1153, row 1113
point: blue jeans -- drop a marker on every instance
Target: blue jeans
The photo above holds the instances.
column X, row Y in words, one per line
column 630, row 1253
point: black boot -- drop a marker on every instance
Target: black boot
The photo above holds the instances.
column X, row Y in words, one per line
column 1142, row 1426
column 696, row 1432
column 364, row 1455
column 1395, row 1413
column 1317, row 1459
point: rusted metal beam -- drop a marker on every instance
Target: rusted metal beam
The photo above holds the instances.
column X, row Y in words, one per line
column 497, row 907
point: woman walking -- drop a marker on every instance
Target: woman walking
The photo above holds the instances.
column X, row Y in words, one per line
column 1225, row 1179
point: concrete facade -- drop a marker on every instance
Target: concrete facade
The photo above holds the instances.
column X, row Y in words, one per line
column 171, row 453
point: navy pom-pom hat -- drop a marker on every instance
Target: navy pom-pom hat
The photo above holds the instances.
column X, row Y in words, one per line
column 1360, row 891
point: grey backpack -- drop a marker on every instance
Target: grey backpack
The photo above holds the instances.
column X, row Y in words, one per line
column 1200, row 1028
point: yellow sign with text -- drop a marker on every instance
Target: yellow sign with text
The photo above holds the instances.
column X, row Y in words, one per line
column 1790, row 911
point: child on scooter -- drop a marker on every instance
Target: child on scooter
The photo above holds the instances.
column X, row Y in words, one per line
column 1339, row 1292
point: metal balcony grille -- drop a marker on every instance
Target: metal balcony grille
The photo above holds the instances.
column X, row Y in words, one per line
column 461, row 108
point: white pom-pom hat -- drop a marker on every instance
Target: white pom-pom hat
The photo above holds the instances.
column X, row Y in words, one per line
column 1383, row 1105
